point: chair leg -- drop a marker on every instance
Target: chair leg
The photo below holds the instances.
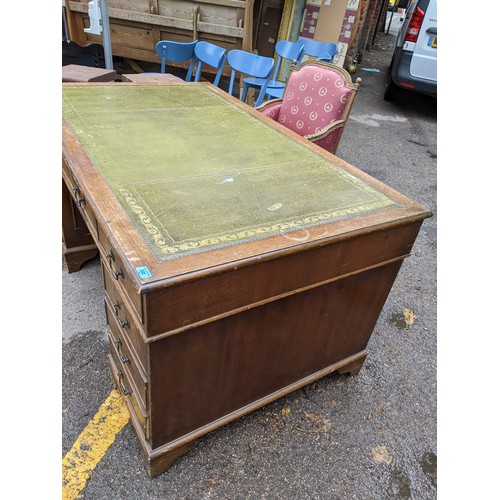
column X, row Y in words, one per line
column 231, row 83
column 190, row 71
column 260, row 98
column 197, row 75
column 217, row 77
column 244, row 93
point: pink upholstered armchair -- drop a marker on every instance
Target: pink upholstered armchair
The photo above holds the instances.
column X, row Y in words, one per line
column 316, row 103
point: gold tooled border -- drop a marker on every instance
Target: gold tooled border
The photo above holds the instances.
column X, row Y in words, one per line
column 163, row 248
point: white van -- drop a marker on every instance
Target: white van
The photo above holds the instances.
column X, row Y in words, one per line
column 414, row 63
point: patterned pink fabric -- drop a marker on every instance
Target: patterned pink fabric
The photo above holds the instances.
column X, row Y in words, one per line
column 315, row 97
column 330, row 141
column 271, row 110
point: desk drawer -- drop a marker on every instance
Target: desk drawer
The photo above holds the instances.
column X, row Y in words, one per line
column 127, row 389
column 127, row 355
column 119, row 315
column 113, row 263
column 79, row 198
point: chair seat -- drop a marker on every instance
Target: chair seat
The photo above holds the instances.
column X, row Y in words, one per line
column 275, row 92
column 258, row 82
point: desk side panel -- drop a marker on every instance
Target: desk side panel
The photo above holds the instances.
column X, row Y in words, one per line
column 202, row 375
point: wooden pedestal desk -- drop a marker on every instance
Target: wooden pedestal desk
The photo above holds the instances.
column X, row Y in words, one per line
column 240, row 261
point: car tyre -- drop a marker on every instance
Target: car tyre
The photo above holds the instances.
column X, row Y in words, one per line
column 390, row 88
column 390, row 93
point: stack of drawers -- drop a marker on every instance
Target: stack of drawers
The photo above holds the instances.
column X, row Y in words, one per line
column 128, row 351
column 128, row 357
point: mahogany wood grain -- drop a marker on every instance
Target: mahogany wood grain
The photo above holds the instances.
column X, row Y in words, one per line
column 215, row 335
column 206, row 373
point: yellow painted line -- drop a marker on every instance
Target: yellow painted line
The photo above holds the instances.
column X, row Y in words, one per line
column 92, row 444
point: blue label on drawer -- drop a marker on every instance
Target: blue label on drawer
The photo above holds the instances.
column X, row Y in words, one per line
column 143, row 272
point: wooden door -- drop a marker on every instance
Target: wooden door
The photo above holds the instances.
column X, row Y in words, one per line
column 268, row 30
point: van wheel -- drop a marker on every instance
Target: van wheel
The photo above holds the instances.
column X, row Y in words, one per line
column 391, row 91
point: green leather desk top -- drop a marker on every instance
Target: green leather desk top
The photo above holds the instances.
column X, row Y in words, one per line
column 195, row 172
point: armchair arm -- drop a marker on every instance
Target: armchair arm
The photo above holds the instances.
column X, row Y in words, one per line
column 328, row 137
column 270, row 108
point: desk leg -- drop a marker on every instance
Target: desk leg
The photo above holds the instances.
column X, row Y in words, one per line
column 78, row 245
column 162, row 462
column 354, row 366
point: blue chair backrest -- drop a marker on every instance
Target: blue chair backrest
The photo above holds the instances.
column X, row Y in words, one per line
column 316, row 49
column 211, row 54
column 248, row 64
column 285, row 49
column 176, row 52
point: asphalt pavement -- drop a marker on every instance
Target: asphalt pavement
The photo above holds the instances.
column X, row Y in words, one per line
column 368, row 436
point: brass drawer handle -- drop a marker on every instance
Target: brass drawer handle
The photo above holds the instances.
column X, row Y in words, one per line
column 116, row 275
column 117, row 306
column 124, row 390
column 122, row 357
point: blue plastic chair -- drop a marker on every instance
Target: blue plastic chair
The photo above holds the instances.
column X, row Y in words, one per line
column 176, row 52
column 211, row 54
column 275, row 93
column 314, row 48
column 322, row 51
column 287, row 50
column 247, row 63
